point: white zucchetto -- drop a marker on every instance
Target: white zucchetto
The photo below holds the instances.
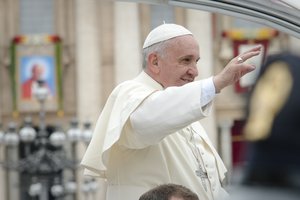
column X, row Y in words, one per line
column 165, row 32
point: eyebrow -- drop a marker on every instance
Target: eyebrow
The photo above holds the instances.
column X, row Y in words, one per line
column 188, row 56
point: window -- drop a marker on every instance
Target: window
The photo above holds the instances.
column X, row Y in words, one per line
column 161, row 14
column 36, row 16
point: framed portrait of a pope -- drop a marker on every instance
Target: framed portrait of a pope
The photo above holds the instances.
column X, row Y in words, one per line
column 36, row 74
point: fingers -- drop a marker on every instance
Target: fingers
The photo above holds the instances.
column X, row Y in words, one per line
column 240, row 59
column 236, row 68
column 247, row 68
column 249, row 54
column 256, row 48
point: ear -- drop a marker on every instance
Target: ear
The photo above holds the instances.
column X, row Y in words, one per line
column 153, row 63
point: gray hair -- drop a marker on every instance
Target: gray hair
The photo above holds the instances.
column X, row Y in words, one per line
column 159, row 48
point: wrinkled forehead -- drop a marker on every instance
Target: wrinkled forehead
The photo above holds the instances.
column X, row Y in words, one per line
column 185, row 44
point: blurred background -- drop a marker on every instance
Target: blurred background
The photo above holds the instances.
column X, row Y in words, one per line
column 85, row 48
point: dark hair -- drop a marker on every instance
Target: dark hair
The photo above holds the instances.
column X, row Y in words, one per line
column 166, row 191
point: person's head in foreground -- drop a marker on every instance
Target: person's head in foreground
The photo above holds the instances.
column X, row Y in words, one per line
column 169, row 192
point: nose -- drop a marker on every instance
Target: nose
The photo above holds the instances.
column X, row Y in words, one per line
column 193, row 71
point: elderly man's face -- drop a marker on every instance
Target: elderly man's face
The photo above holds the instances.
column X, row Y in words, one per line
column 37, row 71
column 179, row 65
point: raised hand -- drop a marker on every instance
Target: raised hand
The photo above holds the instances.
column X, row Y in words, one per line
column 235, row 69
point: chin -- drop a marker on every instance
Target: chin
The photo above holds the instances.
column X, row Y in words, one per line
column 184, row 82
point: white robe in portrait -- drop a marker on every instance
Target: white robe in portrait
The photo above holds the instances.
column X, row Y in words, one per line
column 132, row 164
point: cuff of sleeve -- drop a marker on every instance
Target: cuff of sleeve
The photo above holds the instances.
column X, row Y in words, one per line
column 208, row 91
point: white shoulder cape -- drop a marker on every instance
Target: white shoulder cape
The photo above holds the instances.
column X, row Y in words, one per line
column 124, row 99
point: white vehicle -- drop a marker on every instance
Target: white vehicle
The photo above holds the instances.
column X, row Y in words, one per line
column 283, row 15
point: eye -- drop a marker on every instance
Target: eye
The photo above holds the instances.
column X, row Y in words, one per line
column 186, row 60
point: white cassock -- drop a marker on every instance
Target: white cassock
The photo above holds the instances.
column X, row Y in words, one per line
column 136, row 146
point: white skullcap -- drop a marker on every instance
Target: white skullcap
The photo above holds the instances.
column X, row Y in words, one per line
column 165, row 32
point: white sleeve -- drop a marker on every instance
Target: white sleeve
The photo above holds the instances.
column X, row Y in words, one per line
column 208, row 91
column 167, row 111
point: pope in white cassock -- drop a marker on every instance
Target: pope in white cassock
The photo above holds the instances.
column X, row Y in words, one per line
column 149, row 132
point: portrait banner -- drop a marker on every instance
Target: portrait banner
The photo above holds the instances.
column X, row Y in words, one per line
column 36, row 60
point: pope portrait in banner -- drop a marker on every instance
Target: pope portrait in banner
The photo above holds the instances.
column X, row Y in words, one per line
column 34, row 69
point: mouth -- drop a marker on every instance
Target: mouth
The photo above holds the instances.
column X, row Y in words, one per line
column 187, row 80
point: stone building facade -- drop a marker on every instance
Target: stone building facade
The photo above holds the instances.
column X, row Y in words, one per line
column 101, row 47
